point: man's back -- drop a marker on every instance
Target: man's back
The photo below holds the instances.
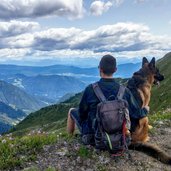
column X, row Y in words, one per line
column 110, row 88
column 89, row 101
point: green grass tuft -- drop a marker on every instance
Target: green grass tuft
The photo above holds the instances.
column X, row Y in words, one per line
column 84, row 152
column 16, row 151
column 159, row 117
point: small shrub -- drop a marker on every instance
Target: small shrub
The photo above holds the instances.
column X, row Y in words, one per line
column 84, row 152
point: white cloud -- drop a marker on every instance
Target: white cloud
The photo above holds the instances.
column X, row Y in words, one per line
column 16, row 54
column 55, row 38
column 99, row 7
column 13, row 9
column 21, row 41
column 14, row 28
column 115, row 37
column 121, row 39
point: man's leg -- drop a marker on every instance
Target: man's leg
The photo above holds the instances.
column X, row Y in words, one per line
column 70, row 123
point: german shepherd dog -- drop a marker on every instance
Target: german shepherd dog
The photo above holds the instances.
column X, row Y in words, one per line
column 140, row 86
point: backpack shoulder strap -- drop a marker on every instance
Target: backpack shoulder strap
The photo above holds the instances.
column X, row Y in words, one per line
column 121, row 92
column 98, row 92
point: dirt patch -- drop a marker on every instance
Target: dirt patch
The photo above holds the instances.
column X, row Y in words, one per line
column 71, row 156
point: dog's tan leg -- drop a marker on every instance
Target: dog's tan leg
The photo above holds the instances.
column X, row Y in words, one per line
column 70, row 123
column 141, row 132
column 145, row 130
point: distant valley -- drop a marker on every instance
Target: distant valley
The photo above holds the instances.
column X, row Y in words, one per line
column 15, row 105
column 25, row 89
column 47, row 88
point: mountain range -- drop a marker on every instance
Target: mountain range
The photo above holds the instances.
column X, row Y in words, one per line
column 29, row 88
column 61, row 79
column 47, row 88
column 19, row 99
column 15, row 104
column 46, row 70
column 124, row 70
column 54, row 117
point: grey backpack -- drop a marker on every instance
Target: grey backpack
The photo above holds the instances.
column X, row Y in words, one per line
column 112, row 119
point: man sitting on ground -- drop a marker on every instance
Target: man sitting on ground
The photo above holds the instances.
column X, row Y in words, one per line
column 85, row 115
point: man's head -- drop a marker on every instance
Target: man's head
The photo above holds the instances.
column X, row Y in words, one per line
column 107, row 66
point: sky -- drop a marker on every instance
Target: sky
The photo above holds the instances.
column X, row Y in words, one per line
column 80, row 32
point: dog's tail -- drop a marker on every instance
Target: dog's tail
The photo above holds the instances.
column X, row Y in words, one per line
column 151, row 150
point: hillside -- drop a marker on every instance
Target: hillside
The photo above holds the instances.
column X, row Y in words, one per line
column 161, row 95
column 46, row 116
column 51, row 114
column 15, row 104
column 38, row 150
column 9, row 116
column 10, row 112
column 14, row 96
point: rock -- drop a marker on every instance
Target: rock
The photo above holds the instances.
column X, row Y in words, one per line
column 62, row 152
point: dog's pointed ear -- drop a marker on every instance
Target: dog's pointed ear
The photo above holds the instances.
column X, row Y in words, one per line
column 144, row 61
column 153, row 62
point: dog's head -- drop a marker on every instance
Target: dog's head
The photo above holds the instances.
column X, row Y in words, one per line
column 152, row 70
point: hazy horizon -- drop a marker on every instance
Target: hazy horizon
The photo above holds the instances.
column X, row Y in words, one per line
column 77, row 62
column 82, row 63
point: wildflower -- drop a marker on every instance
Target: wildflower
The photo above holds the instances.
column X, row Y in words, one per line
column 10, row 138
column 4, row 141
column 9, row 135
column 11, row 145
column 39, row 132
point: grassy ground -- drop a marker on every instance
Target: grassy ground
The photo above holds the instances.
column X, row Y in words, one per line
column 22, row 147
column 160, row 116
column 15, row 151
